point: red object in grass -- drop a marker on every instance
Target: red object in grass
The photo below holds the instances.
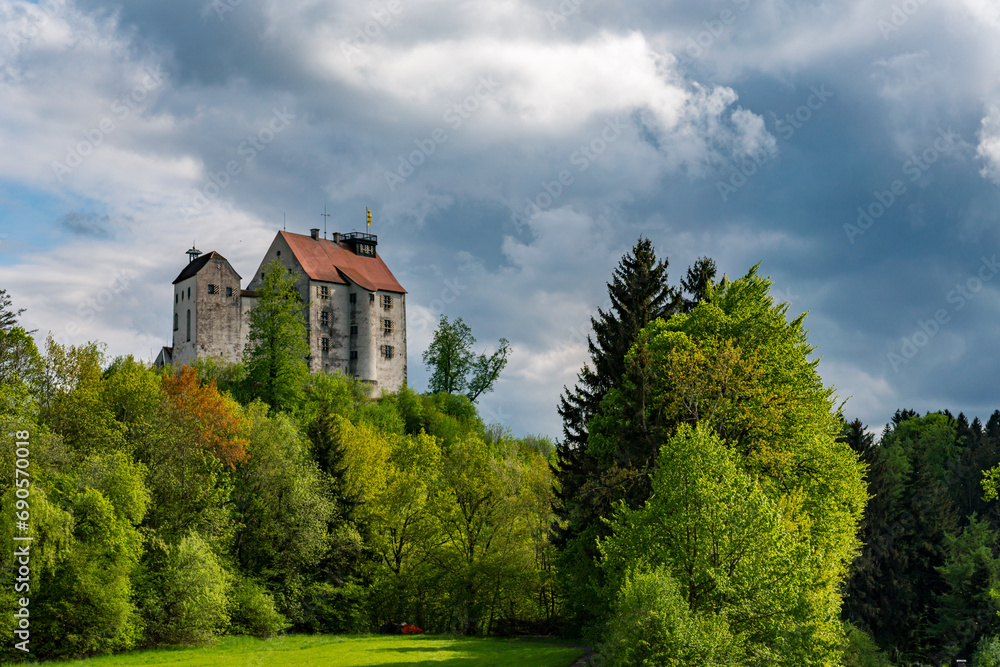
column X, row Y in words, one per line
column 410, row 629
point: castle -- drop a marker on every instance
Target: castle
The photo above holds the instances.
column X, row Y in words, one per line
column 354, row 312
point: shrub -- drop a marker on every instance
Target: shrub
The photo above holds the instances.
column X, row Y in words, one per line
column 335, row 609
column 253, row 611
column 987, row 652
column 184, row 593
column 651, row 624
column 860, row 650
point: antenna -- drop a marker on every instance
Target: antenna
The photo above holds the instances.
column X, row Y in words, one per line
column 284, row 220
column 324, row 215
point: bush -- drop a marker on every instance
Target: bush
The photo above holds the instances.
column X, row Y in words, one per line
column 651, row 624
column 253, row 611
column 335, row 609
column 184, row 593
column 860, row 650
column 987, row 653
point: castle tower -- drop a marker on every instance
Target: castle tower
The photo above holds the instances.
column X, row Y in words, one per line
column 208, row 310
column 356, row 309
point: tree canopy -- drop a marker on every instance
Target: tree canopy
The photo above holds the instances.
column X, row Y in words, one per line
column 451, row 360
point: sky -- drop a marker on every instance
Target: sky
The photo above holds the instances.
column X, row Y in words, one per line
column 511, row 152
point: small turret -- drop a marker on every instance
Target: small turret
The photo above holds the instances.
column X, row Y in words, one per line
column 193, row 253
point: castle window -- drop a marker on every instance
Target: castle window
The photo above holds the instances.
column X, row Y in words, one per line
column 387, row 327
column 229, row 291
column 189, row 327
column 325, row 344
column 211, row 289
column 324, row 292
column 371, row 297
column 176, row 319
column 176, row 299
column 387, row 351
column 386, row 301
column 354, row 355
column 354, row 298
column 189, row 292
column 354, row 329
column 324, row 318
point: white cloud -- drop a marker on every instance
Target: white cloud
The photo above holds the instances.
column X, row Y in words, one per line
column 989, row 145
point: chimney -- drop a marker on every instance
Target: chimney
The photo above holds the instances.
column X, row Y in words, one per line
column 336, row 237
column 314, row 232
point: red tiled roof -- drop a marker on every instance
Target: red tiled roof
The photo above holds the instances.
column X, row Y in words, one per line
column 331, row 262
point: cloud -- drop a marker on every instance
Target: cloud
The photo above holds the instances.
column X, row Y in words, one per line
column 557, row 146
column 989, row 145
column 88, row 224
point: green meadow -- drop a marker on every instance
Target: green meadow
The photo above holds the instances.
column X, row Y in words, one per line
column 347, row 651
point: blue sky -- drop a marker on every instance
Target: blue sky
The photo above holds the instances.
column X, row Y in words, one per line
column 511, row 151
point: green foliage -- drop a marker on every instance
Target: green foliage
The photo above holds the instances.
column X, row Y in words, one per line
column 451, row 360
column 860, row 650
column 280, row 506
column 228, row 376
column 640, row 293
column 971, row 573
column 85, row 605
column 715, row 531
column 253, row 611
column 652, row 624
column 276, row 348
column 987, row 652
column 184, row 592
column 338, row 609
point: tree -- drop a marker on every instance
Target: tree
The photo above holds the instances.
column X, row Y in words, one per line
column 737, row 367
column 700, row 276
column 639, row 293
column 451, row 359
column 276, row 346
column 719, row 535
column 8, row 316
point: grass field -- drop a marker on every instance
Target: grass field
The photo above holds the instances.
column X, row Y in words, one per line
column 344, row 651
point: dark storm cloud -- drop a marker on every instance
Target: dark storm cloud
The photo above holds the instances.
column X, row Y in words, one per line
column 746, row 130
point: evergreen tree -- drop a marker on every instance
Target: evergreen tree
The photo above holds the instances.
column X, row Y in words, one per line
column 640, row 293
column 276, row 346
column 695, row 284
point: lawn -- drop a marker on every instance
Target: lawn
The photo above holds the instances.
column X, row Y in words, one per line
column 344, row 651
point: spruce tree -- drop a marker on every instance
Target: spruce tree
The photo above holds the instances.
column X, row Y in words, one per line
column 640, row 293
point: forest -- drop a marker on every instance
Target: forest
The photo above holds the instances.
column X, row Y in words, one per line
column 708, row 502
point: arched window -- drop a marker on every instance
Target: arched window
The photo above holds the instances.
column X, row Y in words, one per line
column 189, row 327
column 175, row 322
